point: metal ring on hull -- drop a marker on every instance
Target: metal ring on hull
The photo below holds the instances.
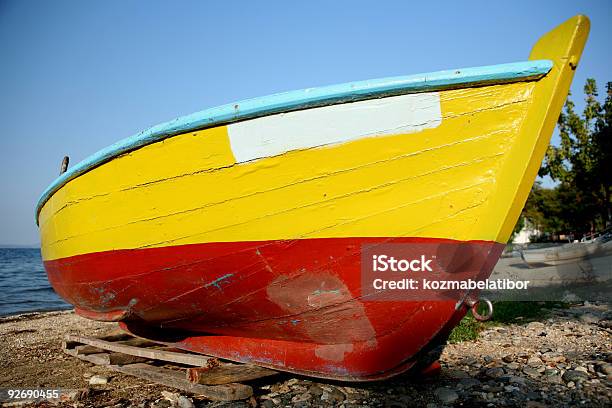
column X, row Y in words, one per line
column 473, row 305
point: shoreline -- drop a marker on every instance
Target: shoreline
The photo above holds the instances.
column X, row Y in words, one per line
column 34, row 313
column 558, row 361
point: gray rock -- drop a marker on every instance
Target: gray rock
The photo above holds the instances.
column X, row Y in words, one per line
column 517, row 380
column 468, row 383
column 162, row 403
column 98, row 380
column 553, row 357
column 78, row 395
column 316, row 390
column 301, row 398
column 184, row 402
column 535, row 404
column 574, row 376
column 268, row 404
column 469, row 361
column 446, row 395
column 170, row 396
column 551, row 371
column 604, row 368
column 495, row 372
column 534, row 361
column 530, row 371
column 334, row 395
column 456, row 374
column 280, row 388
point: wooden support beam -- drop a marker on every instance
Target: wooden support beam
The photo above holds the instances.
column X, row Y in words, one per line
column 137, row 342
column 122, row 359
column 175, row 379
column 211, row 378
column 90, row 358
column 111, row 358
column 70, row 344
column 153, row 354
column 227, row 373
column 87, row 349
column 115, row 337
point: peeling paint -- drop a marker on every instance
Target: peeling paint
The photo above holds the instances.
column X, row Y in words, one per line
column 333, row 352
column 322, row 300
column 218, row 282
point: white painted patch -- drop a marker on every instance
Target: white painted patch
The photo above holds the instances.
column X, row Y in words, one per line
column 277, row 134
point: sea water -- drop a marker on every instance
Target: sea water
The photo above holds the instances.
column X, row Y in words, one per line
column 23, row 283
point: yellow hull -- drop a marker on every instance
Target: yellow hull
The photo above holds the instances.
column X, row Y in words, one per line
column 465, row 179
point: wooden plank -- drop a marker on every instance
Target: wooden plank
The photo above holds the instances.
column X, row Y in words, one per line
column 96, row 359
column 114, row 337
column 71, row 352
column 122, row 359
column 116, row 361
column 175, row 379
column 138, row 342
column 87, row 349
column 227, row 373
column 70, row 344
column 106, row 358
column 153, row 354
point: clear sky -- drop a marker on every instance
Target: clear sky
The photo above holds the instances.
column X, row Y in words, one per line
column 76, row 76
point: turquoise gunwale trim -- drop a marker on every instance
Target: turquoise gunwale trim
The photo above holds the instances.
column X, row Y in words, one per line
column 302, row 99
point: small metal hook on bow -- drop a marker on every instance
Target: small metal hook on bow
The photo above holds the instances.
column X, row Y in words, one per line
column 473, row 305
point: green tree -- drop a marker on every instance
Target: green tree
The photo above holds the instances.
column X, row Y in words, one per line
column 582, row 166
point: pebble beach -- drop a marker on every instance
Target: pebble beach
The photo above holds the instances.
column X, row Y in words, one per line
column 561, row 360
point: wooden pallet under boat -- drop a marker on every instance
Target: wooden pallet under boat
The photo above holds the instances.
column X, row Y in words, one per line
column 194, row 373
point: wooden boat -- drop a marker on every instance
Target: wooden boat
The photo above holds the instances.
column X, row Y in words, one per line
column 558, row 255
column 236, row 231
column 570, row 253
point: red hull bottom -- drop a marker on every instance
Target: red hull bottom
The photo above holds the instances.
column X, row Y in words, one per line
column 293, row 305
column 344, row 362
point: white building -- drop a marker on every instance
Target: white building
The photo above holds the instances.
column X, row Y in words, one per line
column 525, row 233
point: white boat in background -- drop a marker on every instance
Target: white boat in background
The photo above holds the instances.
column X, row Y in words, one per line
column 591, row 246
